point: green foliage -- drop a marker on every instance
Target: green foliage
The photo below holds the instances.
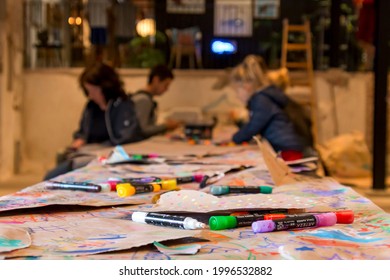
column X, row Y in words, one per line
column 144, row 54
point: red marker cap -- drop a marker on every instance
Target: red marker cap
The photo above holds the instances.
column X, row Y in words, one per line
column 113, row 185
column 345, row 217
column 274, row 216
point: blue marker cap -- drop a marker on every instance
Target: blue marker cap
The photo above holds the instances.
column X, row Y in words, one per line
column 219, row 190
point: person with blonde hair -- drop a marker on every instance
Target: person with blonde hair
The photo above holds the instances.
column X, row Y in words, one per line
column 266, row 103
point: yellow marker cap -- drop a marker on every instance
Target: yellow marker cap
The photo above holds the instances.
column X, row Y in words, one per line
column 168, row 184
column 156, row 187
column 125, row 190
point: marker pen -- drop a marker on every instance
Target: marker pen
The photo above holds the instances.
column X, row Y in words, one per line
column 77, row 186
column 143, row 156
column 226, row 222
column 342, row 217
column 126, row 189
column 316, row 220
column 189, row 179
column 113, row 182
column 165, row 220
column 268, row 211
column 221, row 190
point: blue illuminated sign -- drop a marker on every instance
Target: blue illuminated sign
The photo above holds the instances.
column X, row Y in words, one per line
column 224, row 46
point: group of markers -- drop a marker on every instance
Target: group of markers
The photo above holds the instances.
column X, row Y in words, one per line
column 264, row 221
column 260, row 222
column 131, row 186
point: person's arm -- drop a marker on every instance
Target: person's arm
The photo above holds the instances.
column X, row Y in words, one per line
column 80, row 136
column 143, row 108
column 261, row 114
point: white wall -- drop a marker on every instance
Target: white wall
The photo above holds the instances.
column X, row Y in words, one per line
column 11, row 86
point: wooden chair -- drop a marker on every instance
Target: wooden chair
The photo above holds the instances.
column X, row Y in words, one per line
column 185, row 42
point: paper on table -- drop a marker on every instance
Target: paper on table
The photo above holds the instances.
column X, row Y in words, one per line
column 180, row 250
column 37, row 196
column 13, row 238
column 191, row 201
column 93, row 236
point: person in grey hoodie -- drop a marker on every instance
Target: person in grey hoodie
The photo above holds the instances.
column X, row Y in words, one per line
column 266, row 104
column 159, row 80
column 108, row 118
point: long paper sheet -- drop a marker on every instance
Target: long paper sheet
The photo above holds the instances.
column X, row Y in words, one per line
column 92, row 236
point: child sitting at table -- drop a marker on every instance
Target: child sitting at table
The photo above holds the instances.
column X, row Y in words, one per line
column 267, row 104
column 108, row 118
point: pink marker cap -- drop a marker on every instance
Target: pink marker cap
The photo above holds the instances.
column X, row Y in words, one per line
column 198, row 178
column 326, row 219
column 263, row 226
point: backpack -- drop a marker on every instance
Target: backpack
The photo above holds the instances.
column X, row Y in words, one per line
column 301, row 120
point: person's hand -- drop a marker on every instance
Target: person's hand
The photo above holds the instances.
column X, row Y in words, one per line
column 172, row 124
column 76, row 144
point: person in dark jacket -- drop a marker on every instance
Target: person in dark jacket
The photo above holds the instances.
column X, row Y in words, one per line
column 266, row 104
column 108, row 118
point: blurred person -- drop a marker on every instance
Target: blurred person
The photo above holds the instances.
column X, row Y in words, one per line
column 267, row 105
column 366, row 29
column 97, row 14
column 159, row 80
column 108, row 118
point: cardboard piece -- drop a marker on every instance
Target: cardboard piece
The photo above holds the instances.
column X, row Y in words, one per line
column 279, row 170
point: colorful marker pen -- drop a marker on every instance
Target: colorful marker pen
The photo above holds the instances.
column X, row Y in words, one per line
column 316, row 220
column 141, row 156
column 165, row 220
column 189, row 179
column 269, row 211
column 342, row 217
column 226, row 222
column 126, row 189
column 170, row 184
column 221, row 190
column 77, row 186
column 113, row 182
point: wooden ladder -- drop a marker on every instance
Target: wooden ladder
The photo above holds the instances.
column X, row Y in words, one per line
column 303, row 68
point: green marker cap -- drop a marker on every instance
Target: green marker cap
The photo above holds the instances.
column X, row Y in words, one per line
column 266, row 189
column 222, row 222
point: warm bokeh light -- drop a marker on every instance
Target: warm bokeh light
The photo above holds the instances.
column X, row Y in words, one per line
column 146, row 27
column 71, row 20
column 78, row 21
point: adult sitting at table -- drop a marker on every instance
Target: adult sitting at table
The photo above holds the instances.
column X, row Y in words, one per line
column 159, row 80
column 108, row 118
column 267, row 104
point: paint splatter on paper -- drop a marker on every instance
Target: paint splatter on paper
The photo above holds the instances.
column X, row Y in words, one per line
column 13, row 238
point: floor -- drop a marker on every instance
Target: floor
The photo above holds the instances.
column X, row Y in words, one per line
column 361, row 185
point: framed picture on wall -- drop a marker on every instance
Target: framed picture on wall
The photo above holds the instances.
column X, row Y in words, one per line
column 266, row 9
column 233, row 18
column 186, row 6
